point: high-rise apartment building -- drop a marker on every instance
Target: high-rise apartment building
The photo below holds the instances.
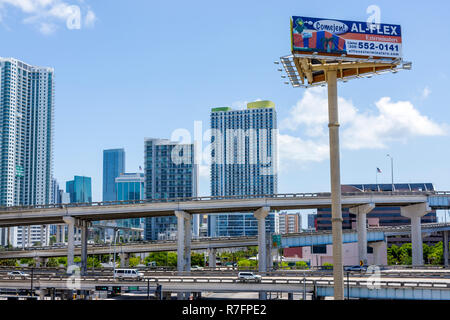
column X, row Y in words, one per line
column 289, row 222
column 26, row 140
column 170, row 172
column 243, row 163
column 113, row 166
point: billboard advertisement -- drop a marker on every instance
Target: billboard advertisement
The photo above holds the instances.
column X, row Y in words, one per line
column 346, row 37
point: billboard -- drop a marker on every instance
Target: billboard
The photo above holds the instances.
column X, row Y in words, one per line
column 338, row 37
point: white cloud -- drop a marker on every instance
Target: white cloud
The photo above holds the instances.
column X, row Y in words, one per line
column 300, row 151
column 426, row 92
column 372, row 129
column 46, row 14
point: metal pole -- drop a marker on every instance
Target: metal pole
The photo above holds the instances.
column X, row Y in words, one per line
column 304, row 286
column 392, row 170
column 338, row 273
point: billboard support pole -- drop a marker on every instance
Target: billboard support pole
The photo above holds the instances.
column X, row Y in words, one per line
column 338, row 272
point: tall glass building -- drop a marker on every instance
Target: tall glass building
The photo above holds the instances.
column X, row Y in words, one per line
column 130, row 186
column 113, row 166
column 26, row 140
column 170, row 172
column 243, row 163
column 79, row 189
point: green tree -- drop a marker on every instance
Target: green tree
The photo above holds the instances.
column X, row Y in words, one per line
column 393, row 255
column 301, row 265
column 52, row 240
column 134, row 261
column 52, row 263
column 197, row 259
column 8, row 262
column 406, row 254
column 63, row 261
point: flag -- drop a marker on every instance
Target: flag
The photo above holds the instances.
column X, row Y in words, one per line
column 140, row 168
column 378, row 170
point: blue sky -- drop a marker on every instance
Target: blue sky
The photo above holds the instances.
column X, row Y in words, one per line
column 137, row 69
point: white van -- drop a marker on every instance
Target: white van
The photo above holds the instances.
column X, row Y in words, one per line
column 128, row 274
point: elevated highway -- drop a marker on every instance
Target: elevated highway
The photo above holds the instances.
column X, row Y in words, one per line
column 53, row 214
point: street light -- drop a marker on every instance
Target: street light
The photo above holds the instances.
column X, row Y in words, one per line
column 392, row 170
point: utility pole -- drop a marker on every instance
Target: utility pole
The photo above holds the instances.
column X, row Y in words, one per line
column 335, row 174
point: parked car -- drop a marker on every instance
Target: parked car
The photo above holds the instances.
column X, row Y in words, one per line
column 128, row 274
column 18, row 274
column 248, row 276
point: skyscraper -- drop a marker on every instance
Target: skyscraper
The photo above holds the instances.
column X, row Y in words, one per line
column 170, row 172
column 130, row 186
column 243, row 163
column 79, row 189
column 113, row 166
column 26, row 137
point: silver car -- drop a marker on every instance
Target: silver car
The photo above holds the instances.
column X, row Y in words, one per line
column 248, row 276
column 18, row 274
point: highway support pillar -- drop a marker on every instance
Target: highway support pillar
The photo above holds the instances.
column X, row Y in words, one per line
column 212, row 257
column 43, row 239
column 70, row 221
column 445, row 244
column 379, row 253
column 183, row 241
column 335, row 177
column 84, row 246
column 260, row 216
column 58, row 233
column 415, row 212
column 361, row 223
column 40, row 262
column 124, row 260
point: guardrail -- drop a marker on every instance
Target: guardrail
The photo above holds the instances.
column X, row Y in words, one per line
column 209, row 198
column 216, row 280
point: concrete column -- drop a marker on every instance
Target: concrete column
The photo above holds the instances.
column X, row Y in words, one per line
column 261, row 215
column 379, row 253
column 28, row 236
column 70, row 221
column 42, row 236
column 212, row 257
column 124, row 260
column 84, row 249
column 415, row 213
column 58, row 233
column 183, row 241
column 40, row 262
column 335, row 178
column 445, row 245
column 361, row 222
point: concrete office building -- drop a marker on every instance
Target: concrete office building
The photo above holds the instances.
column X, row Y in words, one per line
column 243, row 163
column 289, row 222
column 170, row 172
column 26, row 142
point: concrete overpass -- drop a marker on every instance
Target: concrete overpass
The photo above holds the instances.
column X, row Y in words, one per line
column 288, row 240
column 413, row 205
